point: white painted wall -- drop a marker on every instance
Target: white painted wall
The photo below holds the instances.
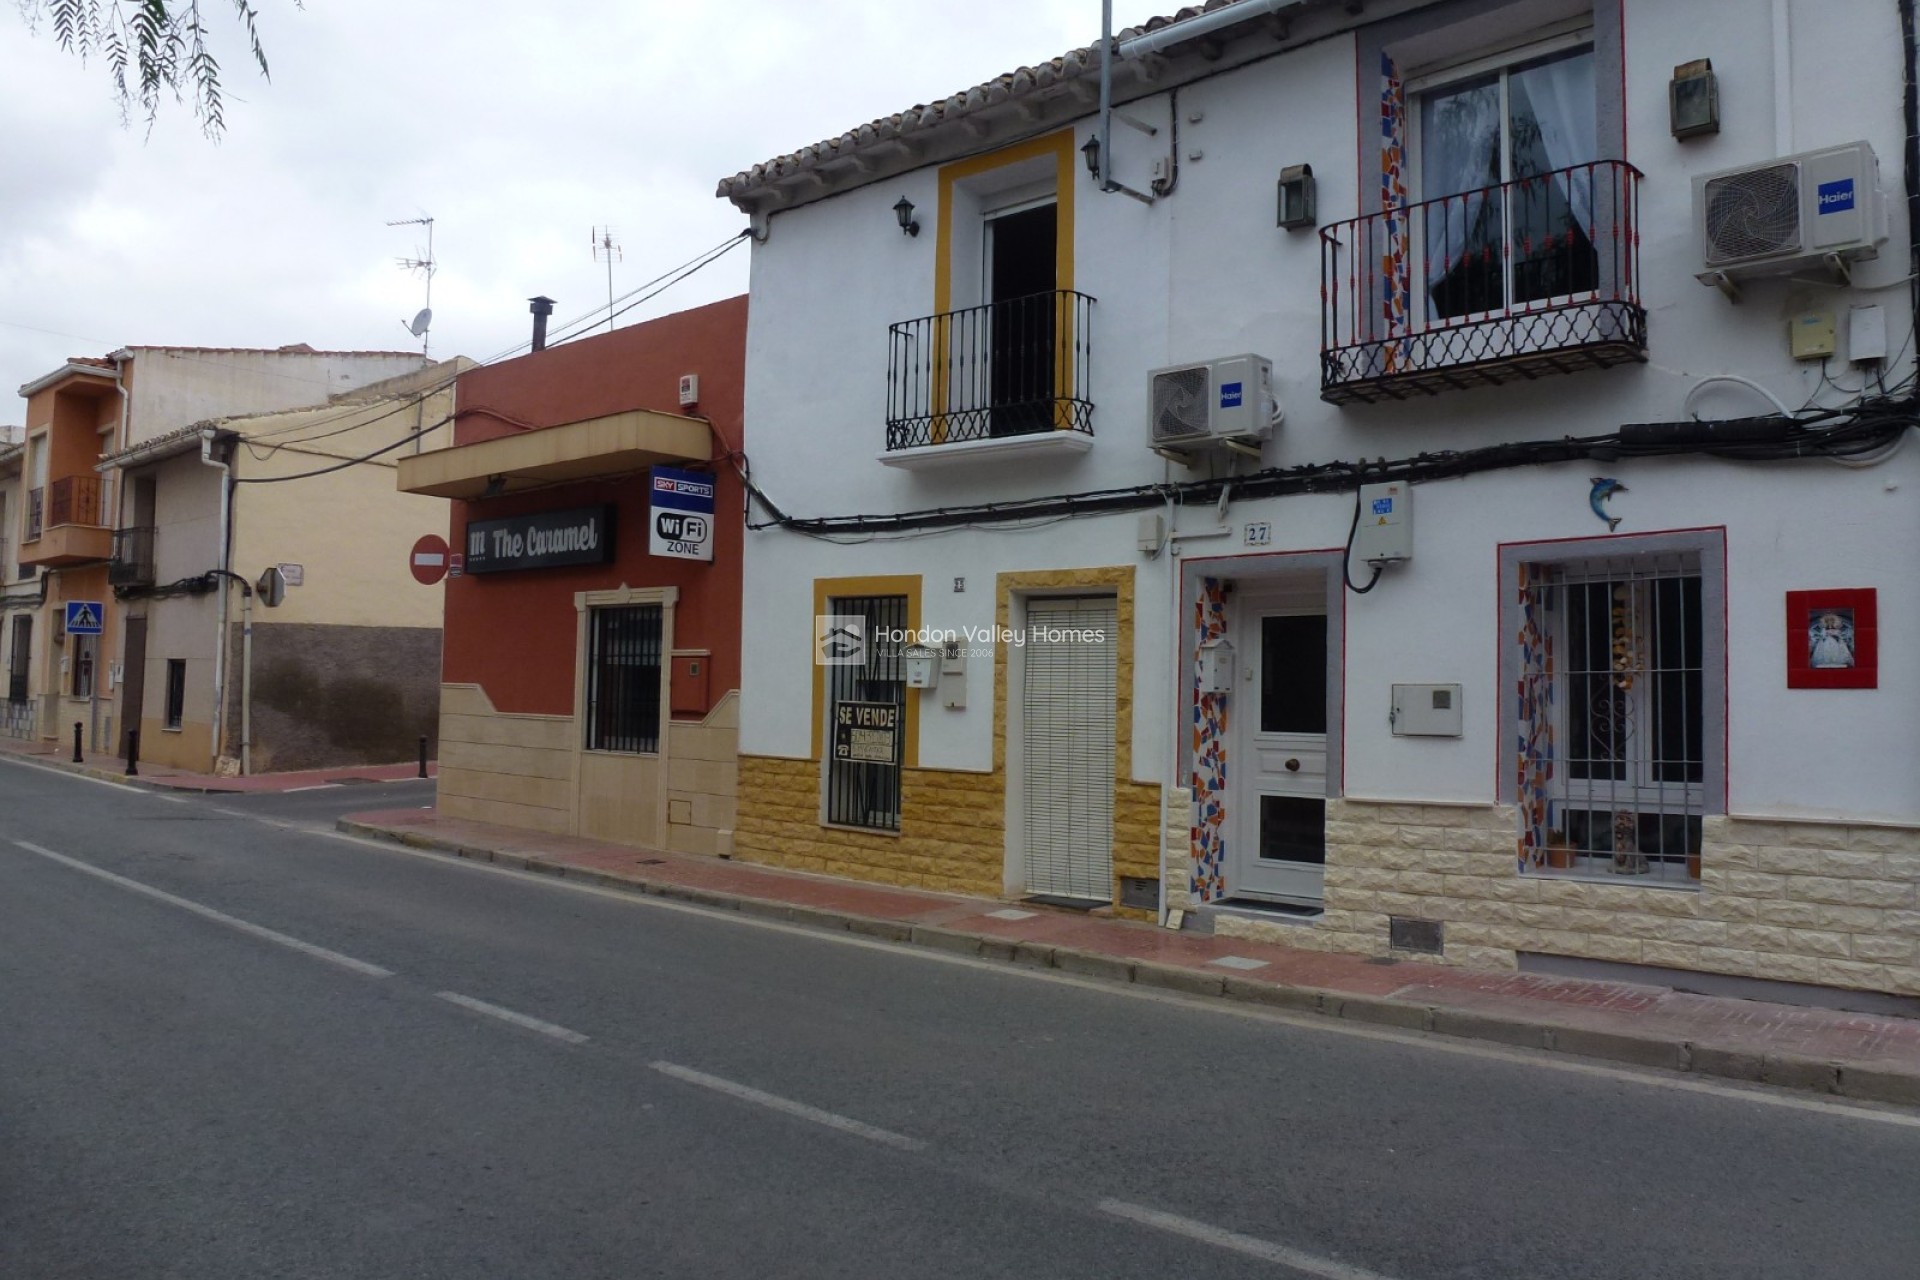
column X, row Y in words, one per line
column 175, row 387
column 1205, row 273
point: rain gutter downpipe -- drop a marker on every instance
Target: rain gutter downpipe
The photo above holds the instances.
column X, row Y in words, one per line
column 1150, row 42
column 207, row 439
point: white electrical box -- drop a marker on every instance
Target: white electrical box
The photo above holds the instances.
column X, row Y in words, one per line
column 1150, row 532
column 1426, row 711
column 1866, row 335
column 953, row 676
column 1215, row 668
column 921, row 663
column 689, row 390
column 1385, row 532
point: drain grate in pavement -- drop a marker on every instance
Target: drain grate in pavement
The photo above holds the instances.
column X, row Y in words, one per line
column 1062, row 900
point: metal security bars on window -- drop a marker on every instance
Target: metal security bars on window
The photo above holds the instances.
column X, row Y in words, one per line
column 623, row 679
column 866, row 792
column 1613, row 751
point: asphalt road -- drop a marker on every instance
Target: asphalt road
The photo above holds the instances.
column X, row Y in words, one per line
column 233, row 1045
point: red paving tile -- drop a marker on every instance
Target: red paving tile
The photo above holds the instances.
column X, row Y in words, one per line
column 1742, row 1025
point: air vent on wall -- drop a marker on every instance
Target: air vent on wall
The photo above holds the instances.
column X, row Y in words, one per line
column 1753, row 214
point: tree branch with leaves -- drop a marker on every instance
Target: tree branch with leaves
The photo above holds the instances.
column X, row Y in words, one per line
column 153, row 49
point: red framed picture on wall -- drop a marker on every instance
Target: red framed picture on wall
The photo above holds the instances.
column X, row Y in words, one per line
column 1833, row 639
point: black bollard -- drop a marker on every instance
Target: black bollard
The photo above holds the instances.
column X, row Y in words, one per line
column 76, row 743
column 423, row 755
column 133, row 753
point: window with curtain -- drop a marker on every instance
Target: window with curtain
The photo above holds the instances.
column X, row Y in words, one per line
column 1505, row 154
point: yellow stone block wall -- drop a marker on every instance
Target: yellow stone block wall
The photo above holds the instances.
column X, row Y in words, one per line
column 1833, row 904
column 703, row 780
column 952, row 828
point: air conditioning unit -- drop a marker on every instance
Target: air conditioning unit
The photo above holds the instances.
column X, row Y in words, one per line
column 1818, row 208
column 1225, row 402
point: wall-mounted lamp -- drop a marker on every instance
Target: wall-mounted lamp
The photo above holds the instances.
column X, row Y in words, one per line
column 904, row 211
column 1296, row 204
column 1092, row 152
column 1693, row 99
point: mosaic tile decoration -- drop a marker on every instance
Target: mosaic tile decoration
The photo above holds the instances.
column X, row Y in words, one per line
column 1209, row 881
column 1535, row 727
column 1396, row 288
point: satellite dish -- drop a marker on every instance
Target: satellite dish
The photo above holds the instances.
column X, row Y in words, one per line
column 421, row 321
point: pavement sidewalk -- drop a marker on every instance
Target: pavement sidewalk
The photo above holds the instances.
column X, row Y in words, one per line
column 1865, row 1056
column 114, row 769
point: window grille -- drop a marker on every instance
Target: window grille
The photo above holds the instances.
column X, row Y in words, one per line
column 1613, row 744
column 866, row 793
column 623, row 679
column 176, row 708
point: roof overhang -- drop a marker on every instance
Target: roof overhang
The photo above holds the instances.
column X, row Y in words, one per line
column 171, row 445
column 66, row 371
column 596, row 448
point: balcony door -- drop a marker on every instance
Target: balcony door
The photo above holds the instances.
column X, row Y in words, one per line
column 1020, row 256
column 1503, row 149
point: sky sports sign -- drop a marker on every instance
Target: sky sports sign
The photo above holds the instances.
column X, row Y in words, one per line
column 546, row 540
column 680, row 514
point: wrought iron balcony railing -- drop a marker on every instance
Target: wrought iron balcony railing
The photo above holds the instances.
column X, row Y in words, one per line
column 76, row 500
column 132, row 563
column 1008, row 368
column 1534, row 276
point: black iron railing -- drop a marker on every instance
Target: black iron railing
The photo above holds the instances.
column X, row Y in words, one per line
column 132, row 563
column 1535, row 276
column 1004, row 369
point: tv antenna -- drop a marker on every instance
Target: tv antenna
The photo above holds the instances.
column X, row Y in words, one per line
column 423, row 265
column 606, row 249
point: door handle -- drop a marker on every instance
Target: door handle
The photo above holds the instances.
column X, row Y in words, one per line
column 1293, row 766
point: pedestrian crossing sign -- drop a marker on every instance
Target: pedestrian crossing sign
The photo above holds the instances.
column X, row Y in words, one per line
column 84, row 618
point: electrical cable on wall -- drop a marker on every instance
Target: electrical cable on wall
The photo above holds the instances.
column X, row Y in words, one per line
column 1346, row 558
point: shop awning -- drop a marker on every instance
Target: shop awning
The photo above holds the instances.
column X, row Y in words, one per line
column 614, row 445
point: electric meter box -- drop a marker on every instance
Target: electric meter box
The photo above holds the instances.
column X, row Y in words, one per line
column 1384, row 534
column 1427, row 711
column 1215, row 668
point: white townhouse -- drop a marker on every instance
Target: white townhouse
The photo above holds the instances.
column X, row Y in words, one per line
column 1420, row 477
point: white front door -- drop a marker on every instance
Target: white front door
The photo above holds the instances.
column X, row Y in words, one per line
column 1280, row 790
column 1067, row 746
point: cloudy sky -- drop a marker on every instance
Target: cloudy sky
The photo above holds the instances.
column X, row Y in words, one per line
column 518, row 127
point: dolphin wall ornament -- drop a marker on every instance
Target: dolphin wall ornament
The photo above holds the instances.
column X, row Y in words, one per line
column 1604, row 487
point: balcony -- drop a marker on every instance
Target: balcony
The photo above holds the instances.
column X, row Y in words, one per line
column 1533, row 277
column 1007, row 378
column 66, row 524
column 132, row 563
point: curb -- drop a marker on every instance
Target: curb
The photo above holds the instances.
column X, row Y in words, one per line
column 1862, row 1083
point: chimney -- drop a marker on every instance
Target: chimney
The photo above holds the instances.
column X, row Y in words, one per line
column 542, row 307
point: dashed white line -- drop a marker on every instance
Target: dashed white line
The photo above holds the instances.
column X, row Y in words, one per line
column 1234, row 1242
column 521, row 1020
column 831, row 1119
column 208, row 913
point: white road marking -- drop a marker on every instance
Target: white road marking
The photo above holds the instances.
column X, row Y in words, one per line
column 832, row 1120
column 77, row 777
column 208, row 913
column 1233, row 1241
column 1238, row 962
column 318, row 786
column 1648, row 1077
column 553, row 1029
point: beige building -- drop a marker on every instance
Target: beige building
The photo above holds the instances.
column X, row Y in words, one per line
column 345, row 667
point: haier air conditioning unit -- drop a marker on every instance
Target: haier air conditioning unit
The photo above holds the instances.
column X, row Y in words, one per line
column 1225, row 402
column 1808, row 211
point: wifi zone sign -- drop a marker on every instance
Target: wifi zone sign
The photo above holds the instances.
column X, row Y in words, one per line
column 681, row 516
